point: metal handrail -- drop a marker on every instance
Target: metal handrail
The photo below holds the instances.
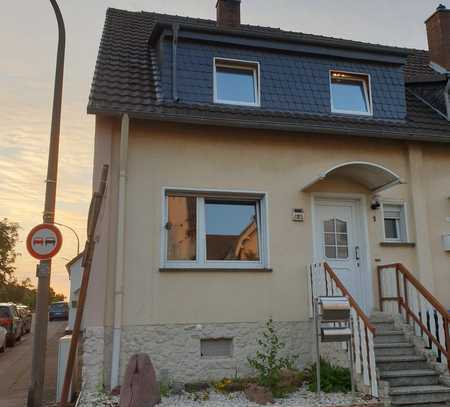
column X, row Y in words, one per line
column 404, row 303
column 346, row 293
column 324, row 281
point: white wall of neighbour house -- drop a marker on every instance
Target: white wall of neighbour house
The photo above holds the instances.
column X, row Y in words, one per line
column 75, row 284
column 198, row 304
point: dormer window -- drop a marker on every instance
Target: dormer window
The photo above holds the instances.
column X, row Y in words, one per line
column 350, row 93
column 236, row 82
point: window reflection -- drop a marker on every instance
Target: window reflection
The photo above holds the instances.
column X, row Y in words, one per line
column 235, row 84
column 231, row 230
column 181, row 228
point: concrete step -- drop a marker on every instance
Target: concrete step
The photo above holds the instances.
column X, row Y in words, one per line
column 394, row 349
column 401, row 362
column 378, row 316
column 419, row 377
column 419, row 395
column 384, row 326
column 389, row 336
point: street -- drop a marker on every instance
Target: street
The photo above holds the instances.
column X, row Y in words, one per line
column 15, row 368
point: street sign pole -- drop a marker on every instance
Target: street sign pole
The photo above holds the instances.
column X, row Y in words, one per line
column 41, row 318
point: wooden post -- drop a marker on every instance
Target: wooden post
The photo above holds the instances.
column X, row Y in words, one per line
column 405, row 288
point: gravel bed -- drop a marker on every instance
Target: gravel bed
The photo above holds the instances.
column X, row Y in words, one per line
column 301, row 398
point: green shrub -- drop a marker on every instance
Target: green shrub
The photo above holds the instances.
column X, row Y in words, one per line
column 333, row 379
column 268, row 362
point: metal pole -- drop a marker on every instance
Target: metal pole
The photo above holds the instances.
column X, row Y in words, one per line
column 317, row 340
column 74, row 232
column 44, row 269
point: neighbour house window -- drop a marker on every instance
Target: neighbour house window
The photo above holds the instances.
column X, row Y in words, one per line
column 394, row 222
column 350, row 93
column 208, row 230
column 236, row 82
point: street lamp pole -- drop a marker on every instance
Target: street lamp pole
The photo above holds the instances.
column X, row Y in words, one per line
column 74, row 232
column 40, row 329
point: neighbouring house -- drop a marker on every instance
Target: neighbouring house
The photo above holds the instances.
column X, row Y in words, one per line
column 240, row 155
column 75, row 270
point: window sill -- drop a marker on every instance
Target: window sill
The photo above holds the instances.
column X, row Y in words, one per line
column 215, row 269
column 397, row 244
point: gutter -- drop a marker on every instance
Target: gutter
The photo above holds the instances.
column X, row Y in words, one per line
column 297, row 127
column 120, row 252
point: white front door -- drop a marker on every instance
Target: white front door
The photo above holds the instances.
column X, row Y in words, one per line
column 339, row 242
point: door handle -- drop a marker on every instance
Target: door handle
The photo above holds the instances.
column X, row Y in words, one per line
column 357, row 253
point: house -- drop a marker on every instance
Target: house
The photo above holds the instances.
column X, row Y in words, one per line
column 75, row 270
column 239, row 155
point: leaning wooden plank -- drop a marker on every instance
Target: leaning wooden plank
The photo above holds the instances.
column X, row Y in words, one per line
column 94, row 212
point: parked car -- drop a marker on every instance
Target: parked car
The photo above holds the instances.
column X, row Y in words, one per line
column 11, row 321
column 25, row 314
column 3, row 335
column 58, row 310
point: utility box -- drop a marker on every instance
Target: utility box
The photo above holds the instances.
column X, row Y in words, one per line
column 63, row 355
column 446, row 242
column 336, row 309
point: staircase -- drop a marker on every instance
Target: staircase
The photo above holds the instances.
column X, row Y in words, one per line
column 412, row 381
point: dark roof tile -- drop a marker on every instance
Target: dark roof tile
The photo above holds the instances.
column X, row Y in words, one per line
column 126, row 80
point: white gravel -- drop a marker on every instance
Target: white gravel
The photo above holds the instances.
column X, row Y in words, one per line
column 301, row 398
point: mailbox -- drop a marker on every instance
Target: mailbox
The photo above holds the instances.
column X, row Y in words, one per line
column 336, row 334
column 336, row 309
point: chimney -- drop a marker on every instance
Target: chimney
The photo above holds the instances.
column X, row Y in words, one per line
column 228, row 13
column 438, row 30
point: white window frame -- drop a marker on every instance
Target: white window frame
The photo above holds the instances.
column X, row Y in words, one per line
column 253, row 66
column 367, row 86
column 402, row 223
column 201, row 262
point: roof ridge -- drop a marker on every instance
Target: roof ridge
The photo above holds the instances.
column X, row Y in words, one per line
column 266, row 29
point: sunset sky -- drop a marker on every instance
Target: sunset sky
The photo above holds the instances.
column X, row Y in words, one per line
column 28, row 37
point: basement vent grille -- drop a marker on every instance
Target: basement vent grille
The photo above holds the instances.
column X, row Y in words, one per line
column 216, row 348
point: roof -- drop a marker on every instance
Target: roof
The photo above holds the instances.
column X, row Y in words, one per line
column 126, row 80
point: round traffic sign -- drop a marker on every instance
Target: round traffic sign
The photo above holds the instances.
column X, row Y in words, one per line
column 44, row 241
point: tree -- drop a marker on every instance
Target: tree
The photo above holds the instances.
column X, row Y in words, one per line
column 8, row 240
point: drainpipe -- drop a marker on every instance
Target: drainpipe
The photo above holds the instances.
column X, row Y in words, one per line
column 447, row 96
column 120, row 252
column 175, row 29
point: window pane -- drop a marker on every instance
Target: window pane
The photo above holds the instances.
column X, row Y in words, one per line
column 235, row 85
column 348, row 95
column 391, row 229
column 231, row 231
column 181, row 228
column 328, row 225
column 330, row 252
column 330, row 239
column 341, row 226
column 342, row 252
column 342, row 239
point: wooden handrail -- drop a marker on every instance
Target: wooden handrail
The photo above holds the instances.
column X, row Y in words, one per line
column 404, row 303
column 428, row 296
column 352, row 301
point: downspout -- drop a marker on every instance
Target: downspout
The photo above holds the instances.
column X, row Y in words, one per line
column 120, row 252
column 175, row 29
column 447, row 96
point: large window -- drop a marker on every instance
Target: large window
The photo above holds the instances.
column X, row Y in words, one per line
column 236, row 82
column 350, row 93
column 394, row 223
column 214, row 230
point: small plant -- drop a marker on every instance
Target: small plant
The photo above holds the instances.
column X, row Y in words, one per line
column 268, row 363
column 232, row 385
column 333, row 379
column 165, row 389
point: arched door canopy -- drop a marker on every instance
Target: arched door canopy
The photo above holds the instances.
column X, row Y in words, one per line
column 373, row 176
